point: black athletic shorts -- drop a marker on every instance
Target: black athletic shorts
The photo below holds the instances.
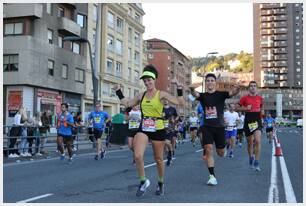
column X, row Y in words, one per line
column 269, row 129
column 98, row 133
column 159, row 135
column 253, row 120
column 211, row 135
column 132, row 132
column 193, row 128
column 240, row 131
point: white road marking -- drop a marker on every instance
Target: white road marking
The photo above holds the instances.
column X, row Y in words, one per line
column 273, row 191
column 290, row 196
column 34, row 198
column 199, row 150
column 150, row 165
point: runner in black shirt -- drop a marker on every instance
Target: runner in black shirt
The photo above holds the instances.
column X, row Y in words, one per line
column 212, row 102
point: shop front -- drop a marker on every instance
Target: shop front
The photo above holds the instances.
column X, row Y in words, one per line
column 73, row 100
column 49, row 100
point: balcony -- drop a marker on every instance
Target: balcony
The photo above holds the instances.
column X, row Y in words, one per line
column 266, row 32
column 283, row 84
column 279, row 11
column 266, row 25
column 266, row 18
column 280, row 37
column 280, row 51
column 283, row 70
column 280, row 64
column 281, row 24
column 266, row 64
column 267, row 58
column 283, row 77
column 280, row 57
column 268, row 6
column 266, row 45
column 68, row 27
column 280, row 31
column 22, row 10
column 266, row 12
column 280, row 18
column 280, row 44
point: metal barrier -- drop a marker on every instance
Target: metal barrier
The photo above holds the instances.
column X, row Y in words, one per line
column 12, row 137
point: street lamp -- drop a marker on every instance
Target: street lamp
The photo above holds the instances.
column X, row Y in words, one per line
column 95, row 79
column 206, row 62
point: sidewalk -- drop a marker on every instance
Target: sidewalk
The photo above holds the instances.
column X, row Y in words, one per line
column 84, row 147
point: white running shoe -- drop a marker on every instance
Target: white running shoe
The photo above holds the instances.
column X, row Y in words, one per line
column 11, row 155
column 142, row 188
column 16, row 155
column 212, row 180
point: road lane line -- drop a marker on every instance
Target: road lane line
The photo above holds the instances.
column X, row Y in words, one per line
column 273, row 191
column 290, row 196
column 289, row 192
column 199, row 150
column 150, row 165
column 34, row 198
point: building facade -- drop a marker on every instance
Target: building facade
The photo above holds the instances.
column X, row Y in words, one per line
column 40, row 70
column 278, row 54
column 278, row 45
column 173, row 67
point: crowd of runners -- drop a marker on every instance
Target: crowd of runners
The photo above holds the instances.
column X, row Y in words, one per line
column 152, row 117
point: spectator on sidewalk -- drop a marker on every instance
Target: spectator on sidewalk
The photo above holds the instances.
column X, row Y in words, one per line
column 15, row 132
column 37, row 135
column 23, row 121
column 46, row 120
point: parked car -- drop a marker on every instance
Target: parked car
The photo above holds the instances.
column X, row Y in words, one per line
column 299, row 123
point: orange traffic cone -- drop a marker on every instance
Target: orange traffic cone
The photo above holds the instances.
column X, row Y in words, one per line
column 278, row 149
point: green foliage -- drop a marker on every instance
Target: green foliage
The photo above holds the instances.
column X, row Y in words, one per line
column 200, row 64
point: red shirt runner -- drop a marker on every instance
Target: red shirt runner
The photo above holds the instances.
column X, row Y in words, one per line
column 255, row 101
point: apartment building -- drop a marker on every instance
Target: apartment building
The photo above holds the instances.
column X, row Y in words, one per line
column 40, row 70
column 173, row 67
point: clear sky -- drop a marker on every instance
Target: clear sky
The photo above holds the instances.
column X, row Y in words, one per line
column 198, row 28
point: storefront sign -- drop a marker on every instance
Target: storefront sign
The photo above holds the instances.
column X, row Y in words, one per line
column 14, row 102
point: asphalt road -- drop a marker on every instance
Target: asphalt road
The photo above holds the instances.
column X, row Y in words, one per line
column 114, row 179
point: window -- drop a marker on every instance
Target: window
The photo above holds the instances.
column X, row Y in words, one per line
column 297, row 50
column 298, row 57
column 130, row 11
column 130, row 54
column 110, row 43
column 119, row 47
column 137, row 18
column 298, row 69
column 297, row 37
column 298, row 76
column 118, row 69
column 129, row 74
column 137, row 57
column 130, row 34
column 110, row 19
column 50, row 36
column 79, row 75
column 60, row 41
column 48, row 5
column 297, row 43
column 106, row 89
column 130, row 92
column 119, row 25
column 13, row 29
column 64, row 71
column 136, row 76
column 95, row 12
column 109, row 66
column 60, row 12
column 76, row 47
column 10, row 63
column 136, row 92
column 150, row 56
column 297, row 30
column 51, row 67
column 137, row 39
column 81, row 20
column 298, row 63
column 297, row 17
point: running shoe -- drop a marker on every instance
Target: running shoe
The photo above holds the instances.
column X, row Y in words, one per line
column 212, row 181
column 70, row 160
column 168, row 163
column 103, row 154
column 160, row 189
column 251, row 161
column 240, row 144
column 231, row 154
column 62, row 157
column 256, row 166
column 142, row 188
column 96, row 157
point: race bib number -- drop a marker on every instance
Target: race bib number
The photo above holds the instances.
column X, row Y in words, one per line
column 134, row 124
column 148, row 125
column 230, row 128
column 253, row 126
column 193, row 124
column 166, row 123
column 211, row 113
column 97, row 119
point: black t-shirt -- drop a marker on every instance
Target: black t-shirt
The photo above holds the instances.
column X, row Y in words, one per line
column 213, row 106
column 169, row 112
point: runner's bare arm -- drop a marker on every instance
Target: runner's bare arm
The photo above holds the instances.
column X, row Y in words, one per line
column 193, row 91
column 166, row 96
column 235, row 90
column 129, row 102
